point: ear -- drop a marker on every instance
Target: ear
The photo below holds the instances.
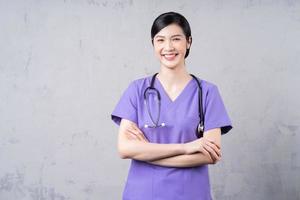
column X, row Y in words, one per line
column 189, row 42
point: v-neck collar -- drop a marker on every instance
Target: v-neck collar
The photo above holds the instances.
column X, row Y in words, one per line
column 165, row 94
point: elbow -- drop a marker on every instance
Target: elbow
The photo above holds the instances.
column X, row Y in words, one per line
column 122, row 155
column 127, row 152
column 123, row 152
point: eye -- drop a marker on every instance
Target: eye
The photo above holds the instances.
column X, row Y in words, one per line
column 160, row 40
column 177, row 39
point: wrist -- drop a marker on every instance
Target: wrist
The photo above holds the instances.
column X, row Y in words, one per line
column 186, row 149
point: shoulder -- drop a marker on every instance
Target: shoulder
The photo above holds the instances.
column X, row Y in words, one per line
column 136, row 87
column 207, row 86
column 141, row 83
column 141, row 80
column 209, row 89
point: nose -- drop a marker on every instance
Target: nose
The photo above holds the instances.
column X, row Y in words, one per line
column 169, row 45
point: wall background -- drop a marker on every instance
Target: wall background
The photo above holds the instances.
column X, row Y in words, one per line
column 64, row 65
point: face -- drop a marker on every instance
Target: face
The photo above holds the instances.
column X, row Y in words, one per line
column 170, row 46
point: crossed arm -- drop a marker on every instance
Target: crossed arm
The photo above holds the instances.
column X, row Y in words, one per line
column 134, row 145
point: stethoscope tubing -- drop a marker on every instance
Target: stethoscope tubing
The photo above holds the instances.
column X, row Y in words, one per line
column 200, row 127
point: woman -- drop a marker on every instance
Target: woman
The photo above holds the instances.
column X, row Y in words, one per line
column 157, row 129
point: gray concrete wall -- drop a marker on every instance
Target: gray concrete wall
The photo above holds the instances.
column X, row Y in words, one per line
column 64, row 65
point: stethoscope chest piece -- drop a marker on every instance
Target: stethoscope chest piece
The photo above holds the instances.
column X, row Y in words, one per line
column 200, row 130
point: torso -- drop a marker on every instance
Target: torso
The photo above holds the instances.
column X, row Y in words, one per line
column 151, row 182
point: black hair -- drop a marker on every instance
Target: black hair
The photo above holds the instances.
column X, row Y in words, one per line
column 168, row 18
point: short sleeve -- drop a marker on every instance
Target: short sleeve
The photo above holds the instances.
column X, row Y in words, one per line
column 126, row 107
column 215, row 115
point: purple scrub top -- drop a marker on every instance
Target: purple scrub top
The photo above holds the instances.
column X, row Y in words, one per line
column 152, row 182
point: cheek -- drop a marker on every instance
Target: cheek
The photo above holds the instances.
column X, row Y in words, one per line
column 157, row 54
column 157, row 51
column 183, row 51
column 157, row 47
column 182, row 47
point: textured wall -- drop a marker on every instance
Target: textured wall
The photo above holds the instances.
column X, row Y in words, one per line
column 64, row 65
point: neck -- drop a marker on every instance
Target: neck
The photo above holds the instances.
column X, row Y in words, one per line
column 173, row 76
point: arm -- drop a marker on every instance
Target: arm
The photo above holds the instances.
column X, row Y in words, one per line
column 191, row 160
column 140, row 148
column 197, row 152
column 196, row 159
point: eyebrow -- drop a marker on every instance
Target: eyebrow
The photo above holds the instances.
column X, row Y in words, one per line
column 171, row 36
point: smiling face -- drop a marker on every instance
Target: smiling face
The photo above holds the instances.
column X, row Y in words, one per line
column 170, row 46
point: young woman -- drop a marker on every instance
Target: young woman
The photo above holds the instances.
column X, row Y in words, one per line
column 159, row 120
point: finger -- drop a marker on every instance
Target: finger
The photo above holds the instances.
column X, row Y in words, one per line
column 146, row 139
column 141, row 134
column 205, row 152
column 214, row 147
column 213, row 154
column 128, row 136
column 208, row 154
column 214, row 141
column 137, row 129
column 131, row 136
column 138, row 135
column 134, row 136
column 208, row 149
column 134, row 133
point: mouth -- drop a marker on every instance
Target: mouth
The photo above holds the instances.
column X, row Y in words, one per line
column 170, row 57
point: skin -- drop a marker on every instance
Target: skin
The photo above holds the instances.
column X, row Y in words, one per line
column 173, row 74
column 132, row 143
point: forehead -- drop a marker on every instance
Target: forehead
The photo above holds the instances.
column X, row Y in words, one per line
column 170, row 30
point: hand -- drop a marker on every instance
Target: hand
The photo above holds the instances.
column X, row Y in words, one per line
column 134, row 133
column 205, row 146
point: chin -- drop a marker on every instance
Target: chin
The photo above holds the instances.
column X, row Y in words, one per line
column 169, row 66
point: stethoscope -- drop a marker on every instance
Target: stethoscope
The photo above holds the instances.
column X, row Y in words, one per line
column 155, row 124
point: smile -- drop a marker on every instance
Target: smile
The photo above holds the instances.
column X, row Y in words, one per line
column 170, row 57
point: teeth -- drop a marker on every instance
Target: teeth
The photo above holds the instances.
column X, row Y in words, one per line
column 169, row 56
